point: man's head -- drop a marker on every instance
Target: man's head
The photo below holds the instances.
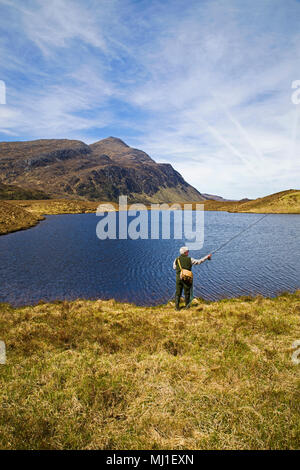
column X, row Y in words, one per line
column 184, row 250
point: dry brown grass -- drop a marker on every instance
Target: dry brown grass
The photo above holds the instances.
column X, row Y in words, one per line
column 284, row 202
column 59, row 206
column 14, row 218
column 105, row 375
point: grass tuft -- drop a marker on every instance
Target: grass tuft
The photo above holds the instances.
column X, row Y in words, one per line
column 106, row 375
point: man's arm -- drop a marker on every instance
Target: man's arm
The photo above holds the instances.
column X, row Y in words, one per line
column 174, row 264
column 199, row 261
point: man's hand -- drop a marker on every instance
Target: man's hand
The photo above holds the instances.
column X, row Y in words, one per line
column 209, row 256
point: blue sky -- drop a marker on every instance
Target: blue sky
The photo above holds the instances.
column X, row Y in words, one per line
column 204, row 85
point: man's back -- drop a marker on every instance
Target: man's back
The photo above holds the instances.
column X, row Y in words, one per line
column 185, row 261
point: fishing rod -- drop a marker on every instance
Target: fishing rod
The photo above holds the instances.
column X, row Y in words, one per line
column 226, row 243
column 240, row 233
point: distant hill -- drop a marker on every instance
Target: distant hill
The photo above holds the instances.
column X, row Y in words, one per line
column 245, row 200
column 101, row 171
column 282, row 202
column 214, row 197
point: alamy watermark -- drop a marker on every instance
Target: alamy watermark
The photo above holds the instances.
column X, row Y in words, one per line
column 137, row 222
column 296, row 353
column 2, row 353
column 295, row 97
column 2, row 92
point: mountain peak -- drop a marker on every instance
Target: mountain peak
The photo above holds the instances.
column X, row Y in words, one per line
column 120, row 152
column 113, row 141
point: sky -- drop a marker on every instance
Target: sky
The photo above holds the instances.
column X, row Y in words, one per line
column 205, row 85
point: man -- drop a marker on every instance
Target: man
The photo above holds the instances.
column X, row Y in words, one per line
column 185, row 262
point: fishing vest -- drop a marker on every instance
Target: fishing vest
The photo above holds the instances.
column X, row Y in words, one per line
column 186, row 263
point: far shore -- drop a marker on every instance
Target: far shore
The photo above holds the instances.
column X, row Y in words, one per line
column 18, row 215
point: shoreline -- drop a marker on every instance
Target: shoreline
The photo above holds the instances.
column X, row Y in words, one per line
column 25, row 214
column 169, row 304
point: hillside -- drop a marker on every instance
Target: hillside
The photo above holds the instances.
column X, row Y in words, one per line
column 284, row 202
column 101, row 171
column 106, row 375
column 11, row 192
column 13, row 218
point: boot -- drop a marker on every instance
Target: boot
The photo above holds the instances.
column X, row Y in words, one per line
column 177, row 300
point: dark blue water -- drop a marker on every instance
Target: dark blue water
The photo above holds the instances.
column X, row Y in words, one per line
column 62, row 258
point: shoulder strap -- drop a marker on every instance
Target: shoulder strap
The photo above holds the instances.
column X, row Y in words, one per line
column 179, row 264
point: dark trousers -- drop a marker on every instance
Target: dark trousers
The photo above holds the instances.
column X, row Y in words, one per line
column 180, row 285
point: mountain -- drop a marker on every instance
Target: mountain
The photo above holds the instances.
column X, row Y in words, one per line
column 101, row 171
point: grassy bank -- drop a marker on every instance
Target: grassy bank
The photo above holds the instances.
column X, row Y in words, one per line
column 14, row 218
column 58, row 206
column 101, row 374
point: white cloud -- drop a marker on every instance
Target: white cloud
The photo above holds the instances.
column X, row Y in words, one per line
column 230, row 79
column 56, row 23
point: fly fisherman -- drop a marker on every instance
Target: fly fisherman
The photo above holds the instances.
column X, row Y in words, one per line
column 184, row 276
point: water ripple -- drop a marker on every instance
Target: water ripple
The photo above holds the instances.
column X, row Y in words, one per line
column 61, row 258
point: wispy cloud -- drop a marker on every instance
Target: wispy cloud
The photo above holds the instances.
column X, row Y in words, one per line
column 205, row 85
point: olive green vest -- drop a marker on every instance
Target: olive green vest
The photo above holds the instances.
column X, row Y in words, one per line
column 186, row 263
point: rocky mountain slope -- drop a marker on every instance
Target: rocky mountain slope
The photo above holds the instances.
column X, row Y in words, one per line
column 101, row 171
column 10, row 192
